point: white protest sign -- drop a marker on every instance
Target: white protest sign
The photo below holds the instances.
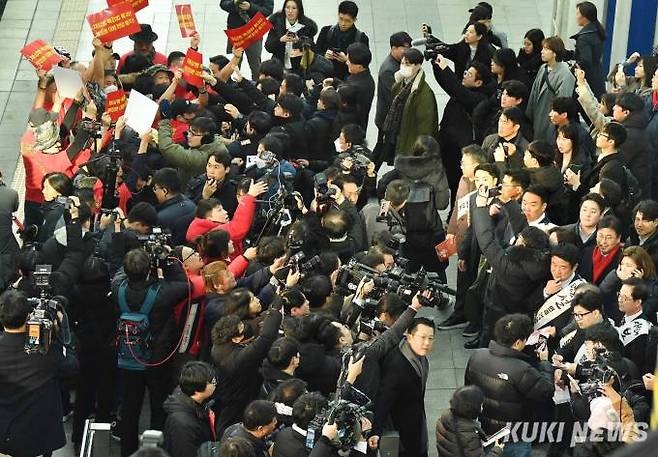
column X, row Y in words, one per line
column 140, row 112
column 68, row 81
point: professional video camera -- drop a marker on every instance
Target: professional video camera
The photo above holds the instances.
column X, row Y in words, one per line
column 433, row 45
column 323, row 193
column 41, row 322
column 597, row 372
column 155, row 245
column 346, row 413
column 92, row 127
column 360, row 158
column 396, row 280
column 393, row 219
column 297, row 261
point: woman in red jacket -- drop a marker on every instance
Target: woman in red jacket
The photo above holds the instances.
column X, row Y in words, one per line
column 211, row 216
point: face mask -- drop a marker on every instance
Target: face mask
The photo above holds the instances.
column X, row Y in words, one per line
column 111, row 88
column 406, row 72
column 338, row 146
column 260, row 163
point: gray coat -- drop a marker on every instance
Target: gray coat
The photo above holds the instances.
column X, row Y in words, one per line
column 385, row 81
column 560, row 83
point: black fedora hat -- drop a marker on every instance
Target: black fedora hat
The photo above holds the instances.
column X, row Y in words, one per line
column 146, row 34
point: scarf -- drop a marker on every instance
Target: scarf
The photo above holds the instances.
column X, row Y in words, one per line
column 393, row 119
column 601, row 262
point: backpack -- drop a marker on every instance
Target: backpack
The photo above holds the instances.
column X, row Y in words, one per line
column 421, row 199
column 134, row 331
column 632, row 189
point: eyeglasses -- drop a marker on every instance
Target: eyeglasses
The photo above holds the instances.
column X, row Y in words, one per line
column 604, row 135
column 579, row 316
column 192, row 133
column 191, row 255
column 623, row 298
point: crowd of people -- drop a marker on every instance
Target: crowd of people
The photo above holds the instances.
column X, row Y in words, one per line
column 249, row 264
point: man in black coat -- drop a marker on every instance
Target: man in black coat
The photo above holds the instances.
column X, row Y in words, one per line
column 237, row 364
column 456, row 127
column 175, row 211
column 258, row 423
column 333, row 40
column 610, row 162
column 399, row 42
column 8, row 244
column 216, row 181
column 511, row 380
column 239, row 13
column 516, row 271
column 636, row 150
column 188, row 423
column 401, row 395
column 291, row 441
column 134, row 282
column 30, row 404
column 358, row 60
column 645, row 224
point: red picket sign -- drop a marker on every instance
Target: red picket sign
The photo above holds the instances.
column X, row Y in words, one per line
column 185, row 20
column 116, row 104
column 136, row 4
column 248, row 34
column 42, row 55
column 193, row 67
column 114, row 22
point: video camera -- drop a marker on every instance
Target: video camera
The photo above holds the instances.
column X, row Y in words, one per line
column 346, row 413
column 396, row 280
column 598, row 372
column 297, row 262
column 155, row 245
column 433, row 45
column 42, row 320
column 324, row 195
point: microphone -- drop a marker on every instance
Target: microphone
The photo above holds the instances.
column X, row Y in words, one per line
column 419, row 42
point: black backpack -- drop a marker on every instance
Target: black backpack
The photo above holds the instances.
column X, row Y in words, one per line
column 422, row 200
column 632, row 190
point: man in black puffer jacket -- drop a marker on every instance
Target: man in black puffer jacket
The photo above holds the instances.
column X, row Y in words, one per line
column 516, row 271
column 510, row 379
column 188, row 423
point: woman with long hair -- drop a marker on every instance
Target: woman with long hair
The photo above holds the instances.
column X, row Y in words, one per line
column 529, row 57
column 289, row 26
column 505, row 66
column 589, row 46
column 553, row 80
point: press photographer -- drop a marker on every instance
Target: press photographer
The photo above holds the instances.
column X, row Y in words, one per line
column 146, row 304
column 30, row 403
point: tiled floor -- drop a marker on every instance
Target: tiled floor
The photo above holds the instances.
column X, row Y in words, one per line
column 31, row 19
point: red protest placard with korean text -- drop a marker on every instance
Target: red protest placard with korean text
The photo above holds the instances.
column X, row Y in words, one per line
column 193, row 67
column 42, row 55
column 185, row 20
column 114, row 22
column 115, row 105
column 136, row 4
column 248, row 34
